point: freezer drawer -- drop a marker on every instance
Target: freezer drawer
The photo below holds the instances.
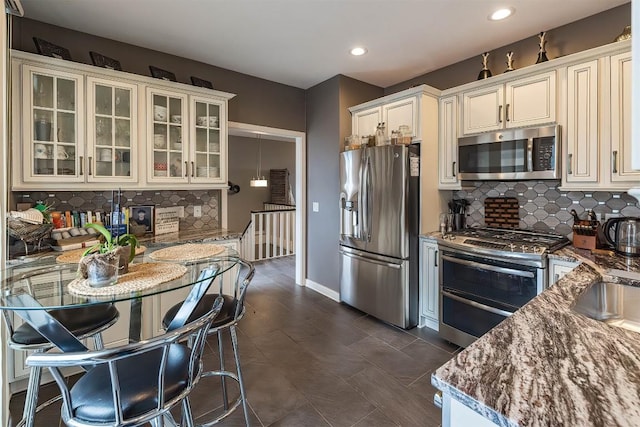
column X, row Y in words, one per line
column 379, row 286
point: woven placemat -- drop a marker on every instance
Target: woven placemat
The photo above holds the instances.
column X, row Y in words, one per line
column 187, row 252
column 73, row 256
column 140, row 277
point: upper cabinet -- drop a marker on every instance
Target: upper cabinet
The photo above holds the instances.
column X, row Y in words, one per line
column 448, row 143
column 523, row 102
column 406, row 108
column 597, row 132
column 82, row 126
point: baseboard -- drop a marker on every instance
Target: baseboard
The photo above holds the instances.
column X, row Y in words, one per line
column 429, row 323
column 323, row 290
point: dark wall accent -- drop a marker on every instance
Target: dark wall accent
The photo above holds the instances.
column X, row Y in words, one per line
column 243, row 158
column 258, row 101
column 354, row 92
column 587, row 33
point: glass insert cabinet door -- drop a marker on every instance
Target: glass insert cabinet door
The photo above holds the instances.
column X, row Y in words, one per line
column 112, row 131
column 53, row 124
column 208, row 149
column 168, row 138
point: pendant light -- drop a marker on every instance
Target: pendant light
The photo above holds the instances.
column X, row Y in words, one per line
column 258, row 180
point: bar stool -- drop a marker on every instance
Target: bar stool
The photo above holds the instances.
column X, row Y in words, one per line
column 83, row 322
column 232, row 311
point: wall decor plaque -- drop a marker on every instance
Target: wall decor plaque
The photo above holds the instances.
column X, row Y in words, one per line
column 159, row 73
column 49, row 49
column 100, row 60
column 196, row 81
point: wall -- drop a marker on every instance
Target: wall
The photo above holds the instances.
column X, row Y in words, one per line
column 258, row 101
column 243, row 158
column 587, row 33
column 543, row 206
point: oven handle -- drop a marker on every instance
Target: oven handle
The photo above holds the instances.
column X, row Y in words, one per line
column 477, row 304
column 490, row 267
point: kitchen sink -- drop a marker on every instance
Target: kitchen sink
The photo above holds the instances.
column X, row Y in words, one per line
column 614, row 304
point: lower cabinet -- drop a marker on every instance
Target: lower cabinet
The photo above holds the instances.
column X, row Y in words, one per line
column 428, row 276
column 558, row 268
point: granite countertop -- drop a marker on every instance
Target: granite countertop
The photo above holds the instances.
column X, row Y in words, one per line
column 190, row 236
column 549, row 366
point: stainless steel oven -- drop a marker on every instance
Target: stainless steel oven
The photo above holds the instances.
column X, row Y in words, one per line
column 486, row 278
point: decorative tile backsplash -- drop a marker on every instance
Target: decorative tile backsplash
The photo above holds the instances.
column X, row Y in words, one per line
column 542, row 206
column 101, row 201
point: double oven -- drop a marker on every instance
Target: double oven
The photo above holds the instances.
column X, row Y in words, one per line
column 486, row 275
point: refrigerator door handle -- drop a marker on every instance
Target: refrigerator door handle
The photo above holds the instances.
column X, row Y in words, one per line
column 371, row 260
column 366, row 209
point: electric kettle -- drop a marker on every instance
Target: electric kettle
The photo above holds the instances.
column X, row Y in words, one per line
column 623, row 234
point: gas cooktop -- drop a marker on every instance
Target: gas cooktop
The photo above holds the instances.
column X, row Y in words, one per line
column 516, row 241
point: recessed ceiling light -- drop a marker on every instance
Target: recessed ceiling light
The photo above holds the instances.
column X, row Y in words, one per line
column 502, row 14
column 357, row 51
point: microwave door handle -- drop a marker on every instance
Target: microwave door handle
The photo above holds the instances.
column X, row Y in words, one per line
column 530, row 155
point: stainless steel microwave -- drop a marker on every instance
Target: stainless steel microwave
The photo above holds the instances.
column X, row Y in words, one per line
column 525, row 153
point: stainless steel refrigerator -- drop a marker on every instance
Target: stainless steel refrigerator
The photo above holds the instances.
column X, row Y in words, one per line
column 379, row 226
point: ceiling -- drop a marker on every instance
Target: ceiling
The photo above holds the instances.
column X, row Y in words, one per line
column 304, row 42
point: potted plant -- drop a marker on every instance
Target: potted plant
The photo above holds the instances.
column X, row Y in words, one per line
column 101, row 263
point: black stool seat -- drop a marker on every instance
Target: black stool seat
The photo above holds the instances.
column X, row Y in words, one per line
column 79, row 321
column 226, row 314
column 93, row 398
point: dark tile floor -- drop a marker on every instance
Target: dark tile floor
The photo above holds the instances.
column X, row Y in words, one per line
column 309, row 361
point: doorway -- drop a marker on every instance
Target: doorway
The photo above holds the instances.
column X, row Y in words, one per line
column 299, row 139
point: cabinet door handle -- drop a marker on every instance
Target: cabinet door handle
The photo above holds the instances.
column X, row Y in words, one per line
column 569, row 160
column 81, row 161
column 453, row 168
column 192, row 168
column 499, row 113
column 615, row 161
column 435, row 260
column 506, row 112
column 186, row 169
column 89, row 165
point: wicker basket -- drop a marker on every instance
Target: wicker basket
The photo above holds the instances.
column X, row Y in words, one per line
column 26, row 232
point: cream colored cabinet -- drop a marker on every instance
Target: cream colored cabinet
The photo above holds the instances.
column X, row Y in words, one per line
column 448, row 143
column 365, row 122
column 582, row 124
column 597, row 132
column 112, row 149
column 84, row 127
column 523, row 102
column 52, row 143
column 622, row 171
column 558, row 268
column 428, row 279
column 403, row 108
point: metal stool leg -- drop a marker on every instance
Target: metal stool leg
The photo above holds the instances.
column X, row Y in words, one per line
column 225, row 398
column 98, row 342
column 187, row 416
column 234, row 342
column 31, row 397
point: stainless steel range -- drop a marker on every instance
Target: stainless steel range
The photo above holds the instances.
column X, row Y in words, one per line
column 486, row 274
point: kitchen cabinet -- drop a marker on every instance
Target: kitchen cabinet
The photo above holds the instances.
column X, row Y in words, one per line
column 402, row 108
column 523, row 102
column 53, row 111
column 111, row 129
column 89, row 128
column 448, row 143
column 558, row 268
column 428, row 278
column 597, row 133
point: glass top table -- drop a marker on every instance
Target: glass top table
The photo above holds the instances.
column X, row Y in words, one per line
column 47, row 282
column 31, row 290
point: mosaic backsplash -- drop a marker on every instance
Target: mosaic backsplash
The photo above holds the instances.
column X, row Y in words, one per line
column 101, row 201
column 542, row 206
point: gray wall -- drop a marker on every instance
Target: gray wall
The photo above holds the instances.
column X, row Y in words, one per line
column 328, row 123
column 258, row 101
column 243, row 157
column 590, row 32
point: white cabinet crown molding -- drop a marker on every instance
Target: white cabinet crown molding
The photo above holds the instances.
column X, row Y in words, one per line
column 414, row 91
